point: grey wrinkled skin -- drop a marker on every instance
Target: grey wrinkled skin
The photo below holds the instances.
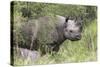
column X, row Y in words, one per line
column 63, row 28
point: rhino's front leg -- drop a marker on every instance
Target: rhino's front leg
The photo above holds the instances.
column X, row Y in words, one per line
column 56, row 48
column 53, row 48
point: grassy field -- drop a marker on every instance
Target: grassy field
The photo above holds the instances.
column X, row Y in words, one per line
column 78, row 51
column 84, row 50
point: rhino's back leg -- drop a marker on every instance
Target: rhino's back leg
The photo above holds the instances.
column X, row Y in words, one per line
column 29, row 33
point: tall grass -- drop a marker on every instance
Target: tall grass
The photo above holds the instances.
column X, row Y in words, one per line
column 76, row 51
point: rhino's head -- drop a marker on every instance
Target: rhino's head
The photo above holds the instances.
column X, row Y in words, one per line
column 73, row 28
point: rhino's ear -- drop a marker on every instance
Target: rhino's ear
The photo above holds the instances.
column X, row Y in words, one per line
column 66, row 19
column 80, row 21
column 80, row 18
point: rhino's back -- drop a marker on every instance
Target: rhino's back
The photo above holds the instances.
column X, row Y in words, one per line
column 47, row 29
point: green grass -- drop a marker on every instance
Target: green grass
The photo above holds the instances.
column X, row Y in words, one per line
column 78, row 51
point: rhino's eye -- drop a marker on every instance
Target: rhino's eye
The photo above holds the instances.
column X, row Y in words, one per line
column 70, row 31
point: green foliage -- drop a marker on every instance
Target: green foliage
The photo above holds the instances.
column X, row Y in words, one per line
column 42, row 9
column 83, row 50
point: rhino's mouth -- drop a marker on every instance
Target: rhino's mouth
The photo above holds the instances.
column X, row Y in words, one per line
column 75, row 39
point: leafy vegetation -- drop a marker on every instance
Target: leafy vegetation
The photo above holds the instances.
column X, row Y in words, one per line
column 79, row 51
